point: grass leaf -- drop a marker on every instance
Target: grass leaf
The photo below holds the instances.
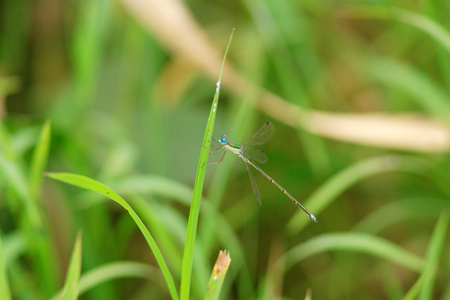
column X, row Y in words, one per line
column 111, row 271
column 70, row 291
column 413, row 82
column 433, row 29
column 433, row 255
column 191, row 232
column 425, row 24
column 93, row 185
column 18, row 183
column 341, row 181
column 415, row 289
column 4, row 282
column 355, row 242
column 40, row 156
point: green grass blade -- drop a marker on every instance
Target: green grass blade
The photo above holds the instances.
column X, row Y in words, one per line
column 40, row 157
column 70, row 291
column 416, row 84
column 111, row 271
column 433, row 29
column 90, row 184
column 13, row 175
column 400, row 211
column 218, row 276
column 145, row 185
column 415, row 289
column 115, row 270
column 433, row 254
column 158, row 186
column 166, row 223
column 4, row 283
column 421, row 22
column 188, row 255
column 14, row 246
column 355, row 242
column 32, row 223
column 329, row 191
column 6, row 148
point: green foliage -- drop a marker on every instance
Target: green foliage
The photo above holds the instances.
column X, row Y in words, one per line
column 70, row 290
column 90, row 184
column 188, row 254
column 4, row 282
column 120, row 95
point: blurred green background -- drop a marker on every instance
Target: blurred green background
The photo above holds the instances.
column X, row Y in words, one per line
column 120, row 91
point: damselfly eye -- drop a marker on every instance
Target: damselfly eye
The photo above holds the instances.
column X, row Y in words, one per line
column 223, row 139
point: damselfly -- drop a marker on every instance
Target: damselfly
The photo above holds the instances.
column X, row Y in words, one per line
column 258, row 139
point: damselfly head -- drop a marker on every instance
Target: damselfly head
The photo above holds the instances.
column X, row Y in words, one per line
column 223, row 139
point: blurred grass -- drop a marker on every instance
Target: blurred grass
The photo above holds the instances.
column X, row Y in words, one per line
column 342, row 180
column 112, row 271
column 191, row 231
column 39, row 160
column 70, row 290
column 362, row 242
column 433, row 255
column 90, row 184
column 128, row 110
column 4, row 281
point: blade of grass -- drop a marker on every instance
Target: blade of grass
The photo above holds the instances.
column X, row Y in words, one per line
column 4, row 283
column 40, row 156
column 70, row 290
column 433, row 254
column 355, row 241
column 144, row 184
column 218, row 276
column 154, row 216
column 433, row 29
column 188, row 255
column 241, row 126
column 115, row 270
column 37, row 236
column 14, row 246
column 16, row 180
column 91, row 184
column 411, row 81
column 329, row 191
column 415, row 289
column 427, row 25
column 6, row 148
column 158, row 186
column 433, row 11
column 111, row 271
column 400, row 211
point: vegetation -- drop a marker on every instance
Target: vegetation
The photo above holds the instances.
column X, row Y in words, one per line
column 120, row 100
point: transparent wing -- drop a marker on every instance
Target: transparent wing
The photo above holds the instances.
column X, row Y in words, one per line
column 261, row 136
column 257, row 155
column 254, row 186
